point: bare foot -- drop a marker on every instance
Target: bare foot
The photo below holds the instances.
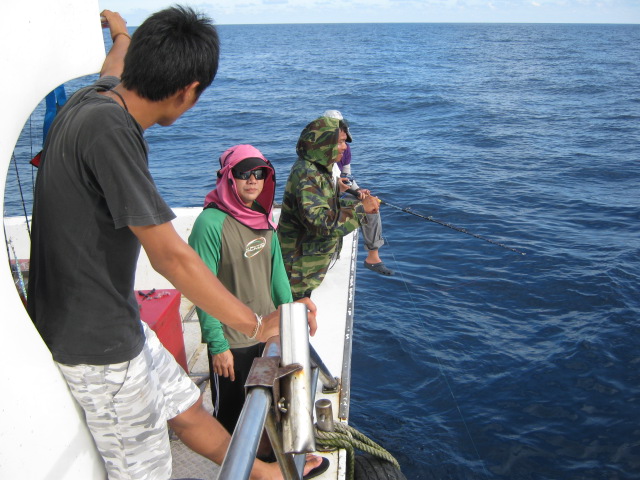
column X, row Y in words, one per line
column 373, row 257
column 313, row 461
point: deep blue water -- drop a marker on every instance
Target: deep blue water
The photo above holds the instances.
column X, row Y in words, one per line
column 485, row 363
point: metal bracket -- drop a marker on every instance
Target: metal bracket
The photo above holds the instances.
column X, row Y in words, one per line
column 266, row 372
column 335, row 389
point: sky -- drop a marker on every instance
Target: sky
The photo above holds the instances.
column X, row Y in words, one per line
column 384, row 11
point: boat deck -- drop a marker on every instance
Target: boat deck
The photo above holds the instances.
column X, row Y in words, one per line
column 186, row 463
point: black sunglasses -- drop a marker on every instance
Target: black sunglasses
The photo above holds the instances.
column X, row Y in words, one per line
column 258, row 174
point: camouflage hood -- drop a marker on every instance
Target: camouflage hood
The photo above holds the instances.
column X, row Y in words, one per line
column 318, row 142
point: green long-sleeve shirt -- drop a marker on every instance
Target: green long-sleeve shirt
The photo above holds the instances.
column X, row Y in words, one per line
column 248, row 262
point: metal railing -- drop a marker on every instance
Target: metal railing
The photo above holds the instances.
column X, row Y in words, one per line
column 280, row 391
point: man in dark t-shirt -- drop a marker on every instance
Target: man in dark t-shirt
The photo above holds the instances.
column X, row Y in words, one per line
column 82, row 205
column 95, row 203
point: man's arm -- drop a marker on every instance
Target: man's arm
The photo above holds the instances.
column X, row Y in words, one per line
column 180, row 264
column 114, row 63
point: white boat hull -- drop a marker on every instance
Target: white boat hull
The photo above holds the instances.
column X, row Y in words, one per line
column 43, row 434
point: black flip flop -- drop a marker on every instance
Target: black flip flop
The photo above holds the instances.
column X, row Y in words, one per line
column 319, row 470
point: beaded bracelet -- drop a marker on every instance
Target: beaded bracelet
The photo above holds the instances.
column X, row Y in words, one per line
column 257, row 329
column 113, row 39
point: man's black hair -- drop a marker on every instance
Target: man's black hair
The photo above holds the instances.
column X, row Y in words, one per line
column 170, row 50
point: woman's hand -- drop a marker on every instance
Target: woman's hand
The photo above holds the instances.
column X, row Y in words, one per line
column 223, row 365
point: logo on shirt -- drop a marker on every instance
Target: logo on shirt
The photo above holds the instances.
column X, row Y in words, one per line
column 254, row 247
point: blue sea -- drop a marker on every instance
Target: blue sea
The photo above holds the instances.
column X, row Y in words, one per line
column 473, row 361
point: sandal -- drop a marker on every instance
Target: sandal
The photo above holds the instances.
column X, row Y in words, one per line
column 380, row 268
column 319, row 470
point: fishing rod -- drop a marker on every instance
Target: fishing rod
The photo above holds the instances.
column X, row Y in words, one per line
column 439, row 222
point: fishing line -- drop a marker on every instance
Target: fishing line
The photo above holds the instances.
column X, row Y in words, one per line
column 448, row 225
column 440, row 365
column 439, row 222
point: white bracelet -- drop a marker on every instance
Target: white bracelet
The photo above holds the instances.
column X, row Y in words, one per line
column 257, row 329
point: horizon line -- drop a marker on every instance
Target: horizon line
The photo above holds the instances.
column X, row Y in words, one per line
column 515, row 22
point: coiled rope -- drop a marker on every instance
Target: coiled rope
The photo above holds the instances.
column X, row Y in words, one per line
column 351, row 439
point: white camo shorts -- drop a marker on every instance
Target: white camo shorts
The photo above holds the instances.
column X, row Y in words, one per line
column 127, row 406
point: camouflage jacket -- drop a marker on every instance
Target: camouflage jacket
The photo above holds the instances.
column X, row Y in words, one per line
column 313, row 218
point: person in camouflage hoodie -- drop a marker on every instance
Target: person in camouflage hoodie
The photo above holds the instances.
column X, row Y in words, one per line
column 313, row 218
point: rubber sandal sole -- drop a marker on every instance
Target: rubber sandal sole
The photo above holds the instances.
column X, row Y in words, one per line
column 319, row 470
column 380, row 268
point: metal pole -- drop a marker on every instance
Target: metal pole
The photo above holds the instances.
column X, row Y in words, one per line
column 291, row 465
column 329, row 382
column 298, row 435
column 241, row 454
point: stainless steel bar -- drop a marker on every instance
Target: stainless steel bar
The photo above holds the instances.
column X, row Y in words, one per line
column 241, row 454
column 298, row 389
column 291, row 465
column 298, row 435
column 314, row 380
column 329, row 382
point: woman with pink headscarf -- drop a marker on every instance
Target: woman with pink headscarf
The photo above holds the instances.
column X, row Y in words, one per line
column 235, row 236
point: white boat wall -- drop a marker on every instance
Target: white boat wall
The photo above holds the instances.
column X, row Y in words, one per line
column 43, row 436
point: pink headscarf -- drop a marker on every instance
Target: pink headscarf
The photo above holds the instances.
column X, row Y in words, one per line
column 225, row 196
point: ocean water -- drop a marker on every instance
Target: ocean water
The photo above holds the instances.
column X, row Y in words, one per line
column 473, row 361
